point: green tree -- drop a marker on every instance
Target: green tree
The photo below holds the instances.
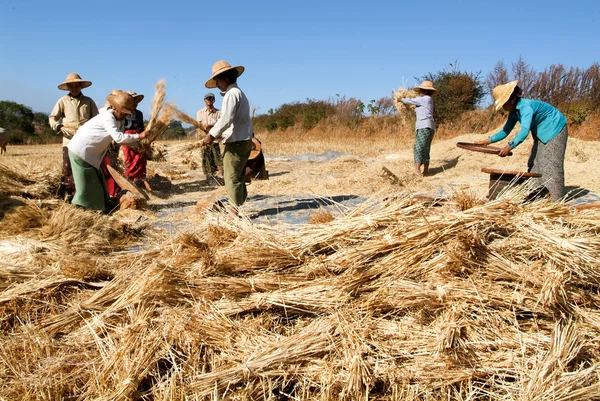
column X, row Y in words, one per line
column 459, row 91
column 17, row 119
column 42, row 131
column 175, row 130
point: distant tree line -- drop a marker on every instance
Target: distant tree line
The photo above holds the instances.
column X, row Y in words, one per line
column 27, row 127
column 575, row 91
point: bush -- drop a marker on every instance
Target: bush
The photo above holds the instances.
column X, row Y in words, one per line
column 459, row 91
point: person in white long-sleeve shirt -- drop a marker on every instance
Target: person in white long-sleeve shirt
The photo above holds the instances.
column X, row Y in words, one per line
column 234, row 128
column 90, row 143
column 425, row 125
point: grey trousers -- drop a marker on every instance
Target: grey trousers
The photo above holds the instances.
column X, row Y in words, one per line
column 548, row 159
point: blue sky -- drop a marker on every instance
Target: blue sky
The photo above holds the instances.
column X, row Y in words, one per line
column 291, row 50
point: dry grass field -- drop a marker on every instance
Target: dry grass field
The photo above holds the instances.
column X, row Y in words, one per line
column 395, row 299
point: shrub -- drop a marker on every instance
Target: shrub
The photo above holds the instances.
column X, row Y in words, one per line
column 459, row 91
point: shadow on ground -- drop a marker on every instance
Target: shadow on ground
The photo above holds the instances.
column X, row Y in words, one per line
column 446, row 165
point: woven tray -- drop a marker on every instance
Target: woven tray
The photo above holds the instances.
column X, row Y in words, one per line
column 493, row 150
column 510, row 173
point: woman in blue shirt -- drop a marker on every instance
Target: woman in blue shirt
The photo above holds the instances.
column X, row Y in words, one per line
column 548, row 128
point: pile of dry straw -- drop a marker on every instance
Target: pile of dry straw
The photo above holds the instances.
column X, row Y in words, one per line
column 392, row 301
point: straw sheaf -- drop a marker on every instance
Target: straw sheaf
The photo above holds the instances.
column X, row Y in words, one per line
column 406, row 111
column 391, row 300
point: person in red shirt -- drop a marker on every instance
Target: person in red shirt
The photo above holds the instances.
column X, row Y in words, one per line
column 135, row 158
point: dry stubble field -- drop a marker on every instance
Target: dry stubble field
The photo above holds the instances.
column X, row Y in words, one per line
column 394, row 299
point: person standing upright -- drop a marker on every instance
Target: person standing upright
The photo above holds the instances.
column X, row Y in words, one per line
column 425, row 125
column 234, row 128
column 211, row 155
column 71, row 112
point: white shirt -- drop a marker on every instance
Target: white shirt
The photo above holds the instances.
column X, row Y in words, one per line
column 93, row 138
column 235, row 124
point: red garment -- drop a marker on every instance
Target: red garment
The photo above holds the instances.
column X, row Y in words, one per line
column 111, row 184
column 135, row 163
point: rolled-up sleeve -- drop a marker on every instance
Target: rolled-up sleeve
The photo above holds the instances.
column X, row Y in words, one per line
column 56, row 115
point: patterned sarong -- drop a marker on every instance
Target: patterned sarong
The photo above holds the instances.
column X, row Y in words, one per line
column 548, row 159
column 423, row 145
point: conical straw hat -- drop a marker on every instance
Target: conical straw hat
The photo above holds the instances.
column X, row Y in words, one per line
column 74, row 78
column 427, row 85
column 136, row 97
column 501, row 93
column 220, row 67
column 122, row 102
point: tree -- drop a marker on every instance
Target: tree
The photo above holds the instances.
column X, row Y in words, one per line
column 42, row 131
column 17, row 119
column 459, row 91
column 525, row 74
column 498, row 76
column 174, row 131
column 385, row 106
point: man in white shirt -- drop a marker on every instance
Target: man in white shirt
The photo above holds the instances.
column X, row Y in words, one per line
column 234, row 128
column 88, row 146
column 211, row 155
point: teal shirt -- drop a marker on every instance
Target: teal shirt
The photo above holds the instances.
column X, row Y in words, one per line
column 542, row 119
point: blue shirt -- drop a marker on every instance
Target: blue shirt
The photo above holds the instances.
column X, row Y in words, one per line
column 424, row 110
column 542, row 119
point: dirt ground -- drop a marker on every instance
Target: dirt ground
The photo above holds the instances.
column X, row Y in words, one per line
column 332, row 174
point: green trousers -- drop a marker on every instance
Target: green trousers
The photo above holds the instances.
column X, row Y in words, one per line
column 235, row 157
column 90, row 185
column 211, row 159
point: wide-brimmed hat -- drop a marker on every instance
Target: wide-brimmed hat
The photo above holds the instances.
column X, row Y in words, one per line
column 74, row 78
column 427, row 85
column 122, row 101
column 501, row 93
column 220, row 67
column 136, row 97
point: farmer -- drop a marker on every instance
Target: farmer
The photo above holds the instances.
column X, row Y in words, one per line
column 134, row 157
column 111, row 156
column 425, row 125
column 70, row 112
column 211, row 155
column 548, row 128
column 234, row 128
column 88, row 146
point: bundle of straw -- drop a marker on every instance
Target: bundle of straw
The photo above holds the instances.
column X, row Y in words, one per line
column 159, row 119
column 404, row 110
column 181, row 116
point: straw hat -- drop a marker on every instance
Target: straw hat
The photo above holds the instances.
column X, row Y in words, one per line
column 501, row 93
column 136, row 97
column 256, row 148
column 74, row 78
column 427, row 85
column 122, row 101
column 220, row 67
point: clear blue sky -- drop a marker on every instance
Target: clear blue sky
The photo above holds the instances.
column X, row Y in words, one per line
column 291, row 50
